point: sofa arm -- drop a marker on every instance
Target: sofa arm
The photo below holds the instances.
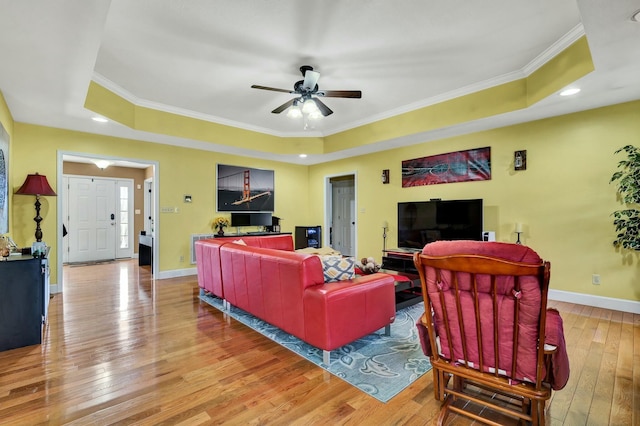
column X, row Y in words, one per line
column 341, row 312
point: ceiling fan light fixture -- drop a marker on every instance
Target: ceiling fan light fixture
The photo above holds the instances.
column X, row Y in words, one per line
column 294, row 111
column 307, row 103
column 309, row 107
column 315, row 115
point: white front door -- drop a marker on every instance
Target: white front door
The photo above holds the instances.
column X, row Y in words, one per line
column 92, row 219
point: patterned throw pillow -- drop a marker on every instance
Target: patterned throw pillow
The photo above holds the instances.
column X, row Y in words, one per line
column 338, row 268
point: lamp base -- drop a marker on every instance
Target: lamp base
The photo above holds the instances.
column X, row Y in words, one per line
column 518, row 240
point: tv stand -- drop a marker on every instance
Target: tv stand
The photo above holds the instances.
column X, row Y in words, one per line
column 400, row 260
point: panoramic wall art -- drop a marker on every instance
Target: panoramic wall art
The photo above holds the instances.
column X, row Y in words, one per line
column 244, row 189
column 461, row 166
column 4, row 181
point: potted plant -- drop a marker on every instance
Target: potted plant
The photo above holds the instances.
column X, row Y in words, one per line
column 220, row 223
column 627, row 180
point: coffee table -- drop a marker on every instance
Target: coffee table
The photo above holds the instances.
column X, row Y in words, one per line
column 407, row 286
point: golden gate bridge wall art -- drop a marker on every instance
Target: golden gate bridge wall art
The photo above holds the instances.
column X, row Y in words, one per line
column 244, row 189
column 461, row 166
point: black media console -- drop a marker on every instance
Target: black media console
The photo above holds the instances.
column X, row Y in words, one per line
column 400, row 262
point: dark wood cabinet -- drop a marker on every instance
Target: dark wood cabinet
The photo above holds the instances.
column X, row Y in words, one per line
column 145, row 250
column 23, row 307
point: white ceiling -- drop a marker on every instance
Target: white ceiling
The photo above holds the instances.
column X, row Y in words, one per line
column 200, row 57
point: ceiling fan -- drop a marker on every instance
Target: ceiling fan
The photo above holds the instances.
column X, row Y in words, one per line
column 307, row 92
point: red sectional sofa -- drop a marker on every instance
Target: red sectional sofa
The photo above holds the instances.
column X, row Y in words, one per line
column 208, row 257
column 286, row 289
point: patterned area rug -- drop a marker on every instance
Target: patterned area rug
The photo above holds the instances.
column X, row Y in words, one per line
column 379, row 365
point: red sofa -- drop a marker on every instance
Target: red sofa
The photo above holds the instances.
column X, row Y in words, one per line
column 208, row 257
column 287, row 290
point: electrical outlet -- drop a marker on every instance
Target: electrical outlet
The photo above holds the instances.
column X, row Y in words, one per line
column 595, row 279
column 181, row 259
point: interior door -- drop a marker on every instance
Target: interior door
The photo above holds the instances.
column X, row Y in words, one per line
column 92, row 219
column 343, row 215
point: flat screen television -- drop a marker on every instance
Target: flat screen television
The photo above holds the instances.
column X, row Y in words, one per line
column 422, row 222
column 251, row 219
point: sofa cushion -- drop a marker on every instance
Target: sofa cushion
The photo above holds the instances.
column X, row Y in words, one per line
column 337, row 268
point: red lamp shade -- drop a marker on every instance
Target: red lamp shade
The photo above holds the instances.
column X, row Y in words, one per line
column 36, row 185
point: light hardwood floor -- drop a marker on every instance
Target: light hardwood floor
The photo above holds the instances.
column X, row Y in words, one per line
column 121, row 348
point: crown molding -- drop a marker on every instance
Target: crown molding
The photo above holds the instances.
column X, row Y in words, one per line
column 552, row 51
column 130, row 97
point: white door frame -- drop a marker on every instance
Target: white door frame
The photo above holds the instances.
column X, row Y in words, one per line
column 328, row 208
column 59, row 286
column 148, row 212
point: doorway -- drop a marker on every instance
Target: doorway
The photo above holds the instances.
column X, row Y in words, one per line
column 340, row 216
column 98, row 219
column 125, row 235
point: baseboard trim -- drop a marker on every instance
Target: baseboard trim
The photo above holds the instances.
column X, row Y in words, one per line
column 596, row 301
column 175, row 273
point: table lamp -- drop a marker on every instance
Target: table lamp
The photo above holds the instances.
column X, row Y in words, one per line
column 36, row 185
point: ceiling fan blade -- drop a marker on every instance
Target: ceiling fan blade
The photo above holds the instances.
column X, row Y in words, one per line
column 310, row 79
column 273, row 89
column 324, row 110
column 340, row 93
column 284, row 106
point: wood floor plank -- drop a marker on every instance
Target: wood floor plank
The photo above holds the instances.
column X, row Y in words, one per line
column 622, row 411
column 123, row 348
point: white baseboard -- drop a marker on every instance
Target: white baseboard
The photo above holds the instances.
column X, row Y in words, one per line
column 175, row 273
column 596, row 301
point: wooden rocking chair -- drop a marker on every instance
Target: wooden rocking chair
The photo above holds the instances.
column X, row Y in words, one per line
column 484, row 330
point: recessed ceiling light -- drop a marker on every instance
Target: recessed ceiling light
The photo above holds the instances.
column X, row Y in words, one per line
column 99, row 119
column 569, row 92
column 303, row 156
column 635, row 17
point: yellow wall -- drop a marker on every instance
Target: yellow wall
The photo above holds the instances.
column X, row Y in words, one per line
column 563, row 199
column 181, row 171
column 5, row 116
